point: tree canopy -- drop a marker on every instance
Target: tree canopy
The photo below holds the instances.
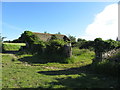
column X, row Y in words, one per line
column 28, row 37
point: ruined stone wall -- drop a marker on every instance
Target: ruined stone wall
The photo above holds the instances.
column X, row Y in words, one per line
column 110, row 53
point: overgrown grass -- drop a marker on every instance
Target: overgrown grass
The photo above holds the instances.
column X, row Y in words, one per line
column 36, row 71
column 17, row 74
column 21, row 75
column 109, row 67
column 81, row 56
column 12, row 46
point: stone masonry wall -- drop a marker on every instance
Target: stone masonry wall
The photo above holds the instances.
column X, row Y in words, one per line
column 110, row 53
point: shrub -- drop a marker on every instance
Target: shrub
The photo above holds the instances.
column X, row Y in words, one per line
column 112, row 43
column 38, row 47
column 106, row 67
column 54, row 50
column 34, row 45
column 87, row 45
column 55, row 46
column 29, row 37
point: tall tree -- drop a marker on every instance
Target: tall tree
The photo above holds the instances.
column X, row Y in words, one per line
column 45, row 31
column 58, row 33
column 73, row 40
column 29, row 38
column 2, row 38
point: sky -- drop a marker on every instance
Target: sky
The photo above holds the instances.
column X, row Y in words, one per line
column 87, row 20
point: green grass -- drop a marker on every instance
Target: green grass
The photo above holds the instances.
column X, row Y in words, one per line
column 108, row 67
column 81, row 56
column 22, row 74
column 12, row 46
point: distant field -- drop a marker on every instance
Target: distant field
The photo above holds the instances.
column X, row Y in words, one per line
column 22, row 44
column 12, row 46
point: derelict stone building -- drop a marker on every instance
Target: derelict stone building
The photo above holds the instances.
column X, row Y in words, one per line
column 46, row 37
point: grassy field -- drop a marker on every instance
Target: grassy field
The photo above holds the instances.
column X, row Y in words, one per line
column 25, row 72
column 12, row 46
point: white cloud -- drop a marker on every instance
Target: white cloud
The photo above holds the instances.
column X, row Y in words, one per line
column 105, row 24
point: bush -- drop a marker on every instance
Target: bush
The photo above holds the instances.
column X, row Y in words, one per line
column 112, row 43
column 34, row 45
column 86, row 45
column 55, row 47
column 54, row 50
column 106, row 67
column 29, row 37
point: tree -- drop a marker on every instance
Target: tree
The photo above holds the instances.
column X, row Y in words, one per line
column 73, row 40
column 2, row 38
column 87, row 45
column 58, row 33
column 33, row 44
column 101, row 46
column 80, row 42
column 45, row 31
column 112, row 44
column 29, row 38
column 17, row 41
column 0, row 43
column 98, row 48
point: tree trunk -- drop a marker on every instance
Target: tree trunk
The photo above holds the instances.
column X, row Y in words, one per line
column 98, row 56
